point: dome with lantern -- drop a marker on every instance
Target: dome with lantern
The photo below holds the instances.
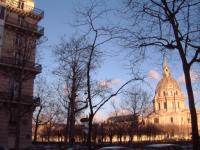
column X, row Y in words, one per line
column 167, row 86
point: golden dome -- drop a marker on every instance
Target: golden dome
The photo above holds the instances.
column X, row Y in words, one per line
column 167, row 84
column 168, row 94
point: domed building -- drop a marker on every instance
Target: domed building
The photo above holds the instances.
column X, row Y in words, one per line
column 168, row 95
column 168, row 104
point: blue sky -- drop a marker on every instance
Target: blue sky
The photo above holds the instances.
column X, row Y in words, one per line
column 57, row 24
column 59, row 14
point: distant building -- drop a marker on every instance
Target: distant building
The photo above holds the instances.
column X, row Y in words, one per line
column 19, row 32
column 125, row 118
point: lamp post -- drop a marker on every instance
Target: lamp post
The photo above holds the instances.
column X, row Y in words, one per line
column 85, row 124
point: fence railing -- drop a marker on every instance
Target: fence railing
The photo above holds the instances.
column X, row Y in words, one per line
column 20, row 63
column 25, row 25
column 25, row 99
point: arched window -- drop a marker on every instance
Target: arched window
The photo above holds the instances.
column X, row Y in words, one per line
column 171, row 119
column 21, row 4
column 176, row 92
column 156, row 120
column 165, row 105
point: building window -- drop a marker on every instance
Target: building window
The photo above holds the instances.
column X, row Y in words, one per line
column 2, row 12
column 178, row 105
column 156, row 120
column 21, row 20
column 18, row 58
column 18, row 40
column 14, row 88
column 159, row 106
column 188, row 120
column 21, row 4
column 165, row 105
column 12, row 117
column 171, row 119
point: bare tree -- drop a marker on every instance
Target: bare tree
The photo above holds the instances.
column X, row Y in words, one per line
column 137, row 102
column 47, row 109
column 170, row 26
column 72, row 72
column 115, row 108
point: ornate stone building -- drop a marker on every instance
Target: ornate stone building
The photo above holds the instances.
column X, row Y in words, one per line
column 169, row 105
column 19, row 32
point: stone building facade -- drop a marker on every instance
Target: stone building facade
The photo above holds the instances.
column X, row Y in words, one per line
column 19, row 32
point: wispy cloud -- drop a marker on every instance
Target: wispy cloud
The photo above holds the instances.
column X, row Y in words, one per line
column 181, row 79
column 110, row 83
column 195, row 77
column 153, row 74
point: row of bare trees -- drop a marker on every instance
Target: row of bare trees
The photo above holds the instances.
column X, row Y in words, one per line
column 110, row 132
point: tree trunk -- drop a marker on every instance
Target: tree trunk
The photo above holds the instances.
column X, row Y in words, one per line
column 68, row 123
column 89, row 132
column 37, row 125
column 72, row 106
column 35, row 133
column 186, row 69
column 110, row 139
column 72, row 123
column 195, row 133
